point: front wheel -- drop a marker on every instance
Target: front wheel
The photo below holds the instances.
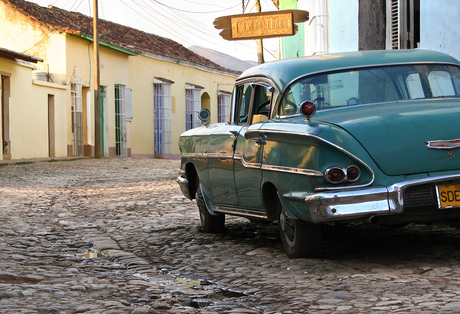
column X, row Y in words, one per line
column 209, row 223
column 300, row 238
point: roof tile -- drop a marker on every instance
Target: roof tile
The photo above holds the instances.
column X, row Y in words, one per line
column 112, row 33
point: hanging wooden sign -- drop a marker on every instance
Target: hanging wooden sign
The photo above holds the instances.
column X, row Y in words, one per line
column 260, row 25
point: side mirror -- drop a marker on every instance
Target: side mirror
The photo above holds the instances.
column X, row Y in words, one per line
column 204, row 114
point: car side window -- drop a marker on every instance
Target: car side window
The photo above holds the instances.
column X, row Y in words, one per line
column 262, row 102
column 253, row 103
column 243, row 103
column 441, row 84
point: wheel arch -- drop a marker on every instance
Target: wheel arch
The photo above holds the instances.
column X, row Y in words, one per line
column 271, row 201
column 192, row 178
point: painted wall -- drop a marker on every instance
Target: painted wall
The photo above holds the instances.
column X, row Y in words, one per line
column 114, row 69
column 19, row 34
column 343, row 25
column 440, row 26
column 63, row 52
column 293, row 46
column 143, row 70
column 29, row 113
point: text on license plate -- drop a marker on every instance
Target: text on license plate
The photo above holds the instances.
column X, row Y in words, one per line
column 448, row 196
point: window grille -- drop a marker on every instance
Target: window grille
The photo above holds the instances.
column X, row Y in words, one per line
column 224, row 106
column 162, row 118
column 394, row 15
column 193, row 106
column 121, row 146
column 403, row 24
column 77, row 113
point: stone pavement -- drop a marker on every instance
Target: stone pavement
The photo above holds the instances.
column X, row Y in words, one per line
column 117, row 236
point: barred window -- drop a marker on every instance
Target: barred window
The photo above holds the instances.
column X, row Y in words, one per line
column 192, row 106
column 224, row 105
column 162, row 118
column 121, row 146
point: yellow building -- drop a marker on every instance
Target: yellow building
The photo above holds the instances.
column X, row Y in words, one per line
column 151, row 87
column 30, row 127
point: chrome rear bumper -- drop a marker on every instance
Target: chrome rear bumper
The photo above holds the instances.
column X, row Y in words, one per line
column 366, row 202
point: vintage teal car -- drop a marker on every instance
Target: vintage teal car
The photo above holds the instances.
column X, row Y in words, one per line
column 359, row 137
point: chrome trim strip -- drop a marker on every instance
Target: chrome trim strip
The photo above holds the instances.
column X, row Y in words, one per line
column 240, row 212
column 307, row 172
column 220, row 155
column 215, row 210
column 254, row 165
column 208, row 155
column 337, row 147
column 443, row 144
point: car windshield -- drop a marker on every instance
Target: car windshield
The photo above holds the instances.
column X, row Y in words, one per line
column 373, row 85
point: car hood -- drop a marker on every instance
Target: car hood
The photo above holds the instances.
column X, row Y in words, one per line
column 395, row 134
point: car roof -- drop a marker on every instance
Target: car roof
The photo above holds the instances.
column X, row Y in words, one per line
column 285, row 71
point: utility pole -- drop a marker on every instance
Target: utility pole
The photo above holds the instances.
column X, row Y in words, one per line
column 97, row 84
column 260, row 47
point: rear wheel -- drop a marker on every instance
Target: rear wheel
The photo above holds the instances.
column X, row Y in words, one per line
column 300, row 238
column 209, row 223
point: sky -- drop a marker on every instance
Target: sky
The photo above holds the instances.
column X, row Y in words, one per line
column 188, row 22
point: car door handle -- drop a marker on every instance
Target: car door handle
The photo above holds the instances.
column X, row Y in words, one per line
column 233, row 134
column 258, row 142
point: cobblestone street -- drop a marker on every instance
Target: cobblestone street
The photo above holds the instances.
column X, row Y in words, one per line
column 117, row 236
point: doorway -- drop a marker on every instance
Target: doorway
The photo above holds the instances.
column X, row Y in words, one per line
column 51, row 127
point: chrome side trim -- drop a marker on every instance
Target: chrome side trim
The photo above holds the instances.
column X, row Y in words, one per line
column 220, row 155
column 338, row 148
column 240, row 212
column 253, row 165
column 208, row 155
column 307, row 172
column 216, row 210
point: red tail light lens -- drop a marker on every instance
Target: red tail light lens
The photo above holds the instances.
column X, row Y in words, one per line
column 353, row 173
column 335, row 175
column 308, row 109
column 340, row 174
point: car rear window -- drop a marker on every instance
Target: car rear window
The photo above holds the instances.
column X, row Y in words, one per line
column 372, row 85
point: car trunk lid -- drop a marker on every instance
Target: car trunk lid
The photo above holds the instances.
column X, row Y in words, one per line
column 395, row 134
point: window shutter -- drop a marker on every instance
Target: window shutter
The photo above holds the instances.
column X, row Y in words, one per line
column 394, row 24
column 128, row 103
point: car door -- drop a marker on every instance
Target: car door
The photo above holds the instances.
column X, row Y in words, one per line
column 249, row 148
column 222, row 148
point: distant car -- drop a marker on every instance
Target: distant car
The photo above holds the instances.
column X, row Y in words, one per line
column 360, row 137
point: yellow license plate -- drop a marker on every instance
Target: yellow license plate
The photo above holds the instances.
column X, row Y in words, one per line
column 448, row 195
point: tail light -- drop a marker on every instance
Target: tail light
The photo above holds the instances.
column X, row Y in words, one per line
column 353, row 173
column 335, row 175
column 308, row 109
column 341, row 174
